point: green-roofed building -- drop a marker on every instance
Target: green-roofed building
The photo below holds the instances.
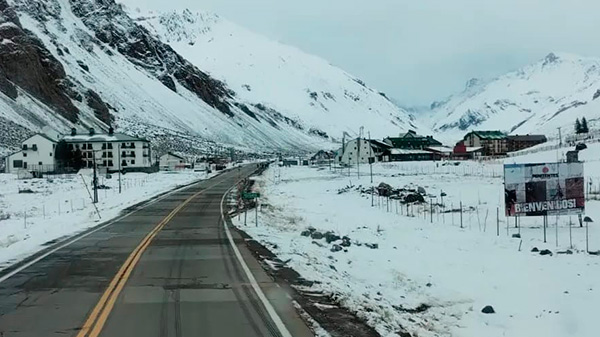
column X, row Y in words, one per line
column 494, row 143
column 411, row 141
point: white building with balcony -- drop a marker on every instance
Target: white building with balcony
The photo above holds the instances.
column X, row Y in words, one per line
column 36, row 155
column 112, row 151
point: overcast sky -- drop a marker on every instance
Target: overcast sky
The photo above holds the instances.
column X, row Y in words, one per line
column 417, row 51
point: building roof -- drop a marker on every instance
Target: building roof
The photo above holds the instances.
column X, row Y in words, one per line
column 401, row 141
column 490, row 135
column 378, row 143
column 102, row 138
column 402, row 151
column 410, row 134
column 528, row 138
column 469, row 149
column 172, row 154
column 43, row 135
column 442, row 149
column 13, row 153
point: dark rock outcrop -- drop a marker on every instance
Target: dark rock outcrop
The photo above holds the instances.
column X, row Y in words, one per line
column 100, row 108
column 25, row 62
column 115, row 28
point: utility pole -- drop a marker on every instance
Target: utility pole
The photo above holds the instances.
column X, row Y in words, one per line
column 559, row 137
column 371, row 159
column 119, row 158
column 95, row 181
column 358, row 156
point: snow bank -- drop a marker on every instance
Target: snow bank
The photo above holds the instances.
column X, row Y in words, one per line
column 429, row 276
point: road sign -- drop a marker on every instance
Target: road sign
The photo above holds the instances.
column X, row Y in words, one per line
column 248, row 195
column 544, row 189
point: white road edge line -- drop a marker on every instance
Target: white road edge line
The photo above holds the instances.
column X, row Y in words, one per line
column 72, row 240
column 270, row 310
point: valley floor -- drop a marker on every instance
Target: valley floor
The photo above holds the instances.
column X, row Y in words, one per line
column 424, row 274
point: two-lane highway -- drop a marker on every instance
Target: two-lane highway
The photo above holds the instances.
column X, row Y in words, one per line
column 170, row 268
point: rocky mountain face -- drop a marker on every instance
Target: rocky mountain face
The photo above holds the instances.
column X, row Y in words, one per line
column 537, row 98
column 88, row 63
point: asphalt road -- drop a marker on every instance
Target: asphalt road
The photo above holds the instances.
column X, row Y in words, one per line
column 167, row 269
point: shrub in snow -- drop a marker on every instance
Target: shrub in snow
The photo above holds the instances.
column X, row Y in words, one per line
column 488, row 309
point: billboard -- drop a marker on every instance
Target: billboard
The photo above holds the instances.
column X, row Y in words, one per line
column 544, row 189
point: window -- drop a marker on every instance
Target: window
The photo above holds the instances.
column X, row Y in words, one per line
column 84, row 146
column 17, row 163
column 34, row 147
column 132, row 162
column 53, row 146
column 25, row 164
column 90, row 146
column 104, row 163
column 50, row 154
column 25, row 147
column 123, row 162
column 110, row 155
column 40, row 163
column 110, row 163
column 110, row 146
column 24, row 154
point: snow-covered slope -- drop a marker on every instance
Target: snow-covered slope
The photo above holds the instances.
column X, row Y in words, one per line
column 269, row 74
column 538, row 98
column 186, row 80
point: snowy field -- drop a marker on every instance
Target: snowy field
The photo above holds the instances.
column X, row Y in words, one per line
column 36, row 211
column 427, row 275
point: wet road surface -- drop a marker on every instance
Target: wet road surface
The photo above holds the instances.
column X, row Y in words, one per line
column 146, row 276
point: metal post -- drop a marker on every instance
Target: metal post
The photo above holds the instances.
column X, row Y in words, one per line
column 497, row 221
column 461, row 215
column 431, row 209
column 587, row 237
column 256, row 212
column 95, row 182
column 119, row 159
column 545, row 221
column 245, row 217
column 556, row 230
column 358, row 156
column 570, row 233
column 372, row 193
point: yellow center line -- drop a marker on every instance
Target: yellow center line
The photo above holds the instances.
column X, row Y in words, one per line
column 97, row 318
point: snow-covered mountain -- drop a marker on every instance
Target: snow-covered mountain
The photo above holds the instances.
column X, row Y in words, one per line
column 181, row 79
column 538, row 98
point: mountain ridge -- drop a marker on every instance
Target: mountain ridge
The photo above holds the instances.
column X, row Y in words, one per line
column 537, row 98
column 109, row 69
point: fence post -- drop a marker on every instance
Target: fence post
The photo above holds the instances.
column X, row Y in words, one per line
column 570, row 233
column 461, row 215
column 497, row 221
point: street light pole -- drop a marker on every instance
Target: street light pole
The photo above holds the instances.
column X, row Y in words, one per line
column 119, row 158
column 371, row 158
column 95, row 178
